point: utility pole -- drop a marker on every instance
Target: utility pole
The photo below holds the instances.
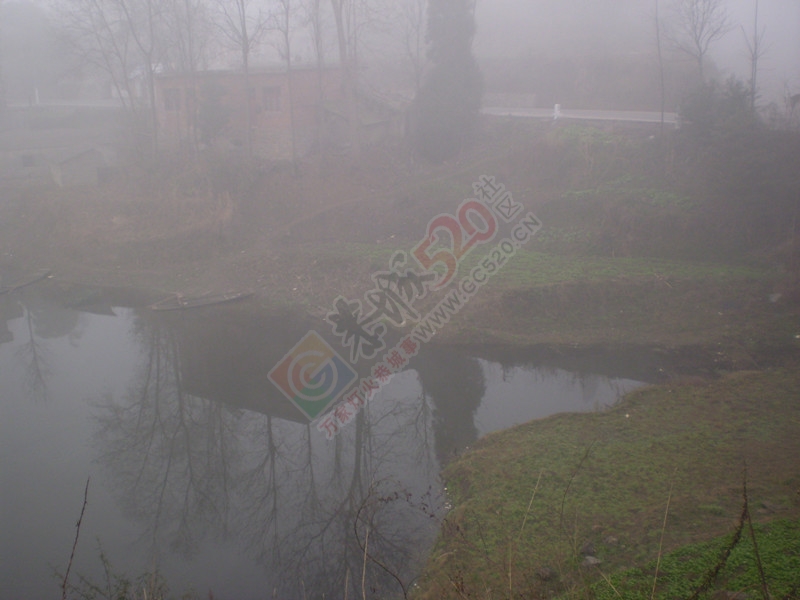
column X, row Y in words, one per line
column 3, row 104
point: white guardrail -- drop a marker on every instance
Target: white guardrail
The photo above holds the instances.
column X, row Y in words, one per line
column 558, row 113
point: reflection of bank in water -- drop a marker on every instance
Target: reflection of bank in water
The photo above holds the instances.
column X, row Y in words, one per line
column 226, row 355
column 227, row 359
column 257, row 470
column 10, row 309
column 203, row 447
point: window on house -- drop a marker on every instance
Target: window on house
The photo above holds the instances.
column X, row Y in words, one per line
column 272, row 98
column 172, row 99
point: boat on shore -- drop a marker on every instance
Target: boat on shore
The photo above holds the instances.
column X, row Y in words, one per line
column 25, row 281
column 181, row 302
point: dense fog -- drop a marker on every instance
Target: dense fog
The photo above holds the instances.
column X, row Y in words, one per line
column 44, row 45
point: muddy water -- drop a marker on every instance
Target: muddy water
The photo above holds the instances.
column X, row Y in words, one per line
column 198, row 467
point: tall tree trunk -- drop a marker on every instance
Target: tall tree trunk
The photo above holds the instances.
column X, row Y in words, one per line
column 245, row 47
column 349, row 81
column 151, row 76
column 243, row 32
column 248, row 136
column 320, row 59
column 755, row 54
column 289, row 83
column 292, row 124
column 191, row 108
column 661, row 89
column 151, row 84
column 3, row 102
column 147, row 50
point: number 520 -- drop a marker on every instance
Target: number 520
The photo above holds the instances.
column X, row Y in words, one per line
column 464, row 232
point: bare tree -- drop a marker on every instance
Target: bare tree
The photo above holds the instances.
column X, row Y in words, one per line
column 122, row 39
column 191, row 41
column 347, row 42
column 353, row 18
column 244, row 24
column 3, row 105
column 313, row 20
column 413, row 31
column 142, row 17
column 756, row 50
column 697, row 25
column 662, row 91
column 189, row 24
column 283, row 22
column 95, row 33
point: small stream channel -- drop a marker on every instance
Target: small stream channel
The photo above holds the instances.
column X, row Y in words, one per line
column 199, row 467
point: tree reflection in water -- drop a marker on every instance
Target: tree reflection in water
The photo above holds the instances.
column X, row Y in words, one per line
column 456, row 385
column 33, row 354
column 45, row 319
column 171, row 453
column 202, row 449
column 205, row 455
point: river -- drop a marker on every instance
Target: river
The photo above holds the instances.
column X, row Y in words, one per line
column 198, row 467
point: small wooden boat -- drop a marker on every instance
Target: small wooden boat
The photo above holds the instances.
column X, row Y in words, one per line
column 181, row 302
column 25, row 281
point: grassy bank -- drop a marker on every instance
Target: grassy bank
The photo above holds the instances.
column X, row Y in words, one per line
column 531, row 501
column 556, row 299
column 737, row 559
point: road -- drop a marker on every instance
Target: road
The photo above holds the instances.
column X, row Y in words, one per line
column 585, row 115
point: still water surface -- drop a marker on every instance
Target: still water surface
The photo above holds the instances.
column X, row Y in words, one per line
column 198, row 467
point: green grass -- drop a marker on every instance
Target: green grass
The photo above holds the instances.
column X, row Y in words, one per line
column 556, row 299
column 538, row 297
column 529, row 268
column 682, row 572
column 609, row 474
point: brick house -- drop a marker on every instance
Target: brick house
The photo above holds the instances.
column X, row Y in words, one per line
column 209, row 107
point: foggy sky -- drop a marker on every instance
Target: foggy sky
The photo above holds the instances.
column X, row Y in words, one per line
column 518, row 28
column 513, row 28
